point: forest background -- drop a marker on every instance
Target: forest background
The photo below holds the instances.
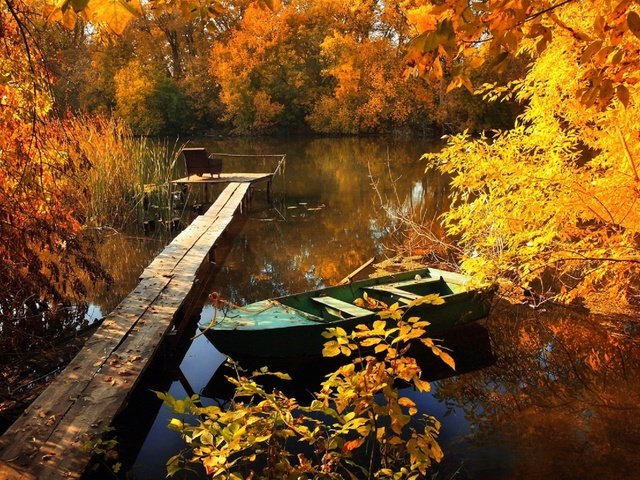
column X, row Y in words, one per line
column 325, row 67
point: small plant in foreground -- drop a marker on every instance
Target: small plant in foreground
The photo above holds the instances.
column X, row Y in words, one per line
column 104, row 449
column 358, row 425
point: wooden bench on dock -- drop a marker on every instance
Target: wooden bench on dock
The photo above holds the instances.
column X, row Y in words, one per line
column 203, row 168
column 199, row 162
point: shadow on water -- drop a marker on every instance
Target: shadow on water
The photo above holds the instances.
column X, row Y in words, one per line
column 469, row 344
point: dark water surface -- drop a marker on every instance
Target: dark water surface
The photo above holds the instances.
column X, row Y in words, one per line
column 545, row 394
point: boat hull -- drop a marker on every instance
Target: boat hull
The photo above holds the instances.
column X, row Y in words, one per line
column 292, row 326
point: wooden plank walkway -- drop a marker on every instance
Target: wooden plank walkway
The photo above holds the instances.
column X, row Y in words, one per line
column 48, row 441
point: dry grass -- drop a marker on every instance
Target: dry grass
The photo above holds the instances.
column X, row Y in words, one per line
column 121, row 166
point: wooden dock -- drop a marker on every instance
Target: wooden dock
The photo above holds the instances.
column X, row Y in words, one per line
column 225, row 178
column 49, row 440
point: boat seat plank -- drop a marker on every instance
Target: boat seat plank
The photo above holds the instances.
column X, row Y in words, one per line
column 393, row 291
column 421, row 281
column 343, row 307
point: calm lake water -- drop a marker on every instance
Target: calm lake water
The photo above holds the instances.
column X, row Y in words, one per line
column 544, row 394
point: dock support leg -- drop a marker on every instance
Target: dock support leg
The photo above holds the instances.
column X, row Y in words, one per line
column 170, row 214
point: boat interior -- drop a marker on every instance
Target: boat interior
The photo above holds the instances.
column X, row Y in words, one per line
column 337, row 303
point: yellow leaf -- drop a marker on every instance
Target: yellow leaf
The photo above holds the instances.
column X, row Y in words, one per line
column 431, row 299
column 368, row 342
column 380, row 348
column 421, row 385
column 331, row 349
column 176, row 424
column 406, row 402
column 446, row 358
column 116, row 14
column 379, row 325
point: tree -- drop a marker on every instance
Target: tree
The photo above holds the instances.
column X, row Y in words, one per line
column 369, row 94
column 40, row 167
column 267, row 69
column 556, row 196
column 150, row 102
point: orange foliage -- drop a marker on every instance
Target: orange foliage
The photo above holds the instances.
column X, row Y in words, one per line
column 39, row 191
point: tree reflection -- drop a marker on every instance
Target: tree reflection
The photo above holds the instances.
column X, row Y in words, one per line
column 564, row 395
column 327, row 218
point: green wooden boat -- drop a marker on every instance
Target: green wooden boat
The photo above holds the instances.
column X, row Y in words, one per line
column 291, row 326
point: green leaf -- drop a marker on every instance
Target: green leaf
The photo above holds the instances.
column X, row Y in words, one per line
column 426, row 42
column 498, row 59
column 445, row 29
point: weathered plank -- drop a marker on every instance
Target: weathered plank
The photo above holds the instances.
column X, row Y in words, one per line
column 103, row 397
column 24, row 438
column 47, row 442
column 226, row 178
column 225, row 205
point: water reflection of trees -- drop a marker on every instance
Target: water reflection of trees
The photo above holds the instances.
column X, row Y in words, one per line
column 327, row 219
column 124, row 256
column 564, row 395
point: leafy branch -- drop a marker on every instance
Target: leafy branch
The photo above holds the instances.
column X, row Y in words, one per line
column 358, row 425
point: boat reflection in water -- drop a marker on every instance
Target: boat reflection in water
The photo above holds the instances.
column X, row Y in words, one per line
column 469, row 345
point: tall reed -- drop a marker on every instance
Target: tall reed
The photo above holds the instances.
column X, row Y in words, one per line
column 127, row 173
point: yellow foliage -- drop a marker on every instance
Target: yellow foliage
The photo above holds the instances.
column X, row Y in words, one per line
column 360, row 406
column 553, row 202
